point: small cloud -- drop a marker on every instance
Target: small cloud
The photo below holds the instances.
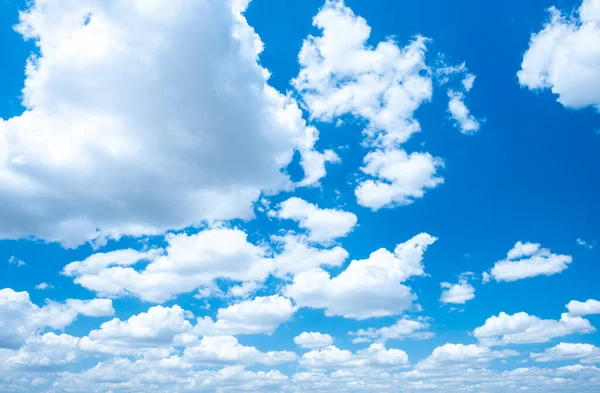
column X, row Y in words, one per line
column 597, row 131
column 585, row 244
column 468, row 82
column 485, row 277
column 44, row 286
column 16, row 261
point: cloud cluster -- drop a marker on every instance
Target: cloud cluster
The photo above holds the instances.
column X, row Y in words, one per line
column 129, row 133
column 383, row 85
column 20, row 318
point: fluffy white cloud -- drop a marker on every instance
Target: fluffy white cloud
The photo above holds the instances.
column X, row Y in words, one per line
column 43, row 286
column 367, row 288
column 187, row 263
column 334, row 358
column 195, row 261
column 297, row 255
column 465, row 121
column 261, row 315
column 400, row 178
column 313, row 340
column 115, row 129
column 565, row 57
column 323, row 225
column 402, row 329
column 527, row 260
column 48, row 352
column 154, row 329
column 458, row 293
column 227, row 350
column 522, row 328
column 585, row 353
column 452, row 355
column 340, row 74
column 581, row 309
column 20, row 318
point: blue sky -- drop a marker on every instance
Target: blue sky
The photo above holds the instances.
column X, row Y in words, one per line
column 299, row 196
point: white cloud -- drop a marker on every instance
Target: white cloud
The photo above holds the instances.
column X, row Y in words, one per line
column 323, row 225
column 402, row 329
column 195, row 261
column 367, row 288
column 585, row 353
column 312, row 161
column 187, row 263
column 242, row 291
column 227, row 350
column 374, row 356
column 585, row 244
column 581, row 309
column 340, row 74
column 297, row 255
column 43, row 286
column 313, row 340
column 461, row 115
column 152, row 330
column 45, row 353
column 458, row 293
column 465, row 121
column 261, row 315
column 468, row 82
column 115, row 130
column 522, row 328
column 122, row 374
column 16, row 261
column 20, row 319
column 527, row 260
column 453, row 355
column 383, row 85
column 565, row 57
column 400, row 178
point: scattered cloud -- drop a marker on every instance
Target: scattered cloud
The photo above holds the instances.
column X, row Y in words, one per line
column 261, row 315
column 374, row 356
column 585, row 244
column 458, row 293
column 581, row 309
column 405, row 328
column 383, row 85
column 465, row 121
column 16, row 261
column 522, row 328
column 366, row 288
column 585, row 353
column 461, row 355
column 526, row 260
column 20, row 318
column 323, row 225
column 313, row 340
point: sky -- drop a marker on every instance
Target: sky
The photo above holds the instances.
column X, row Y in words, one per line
column 299, row 196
